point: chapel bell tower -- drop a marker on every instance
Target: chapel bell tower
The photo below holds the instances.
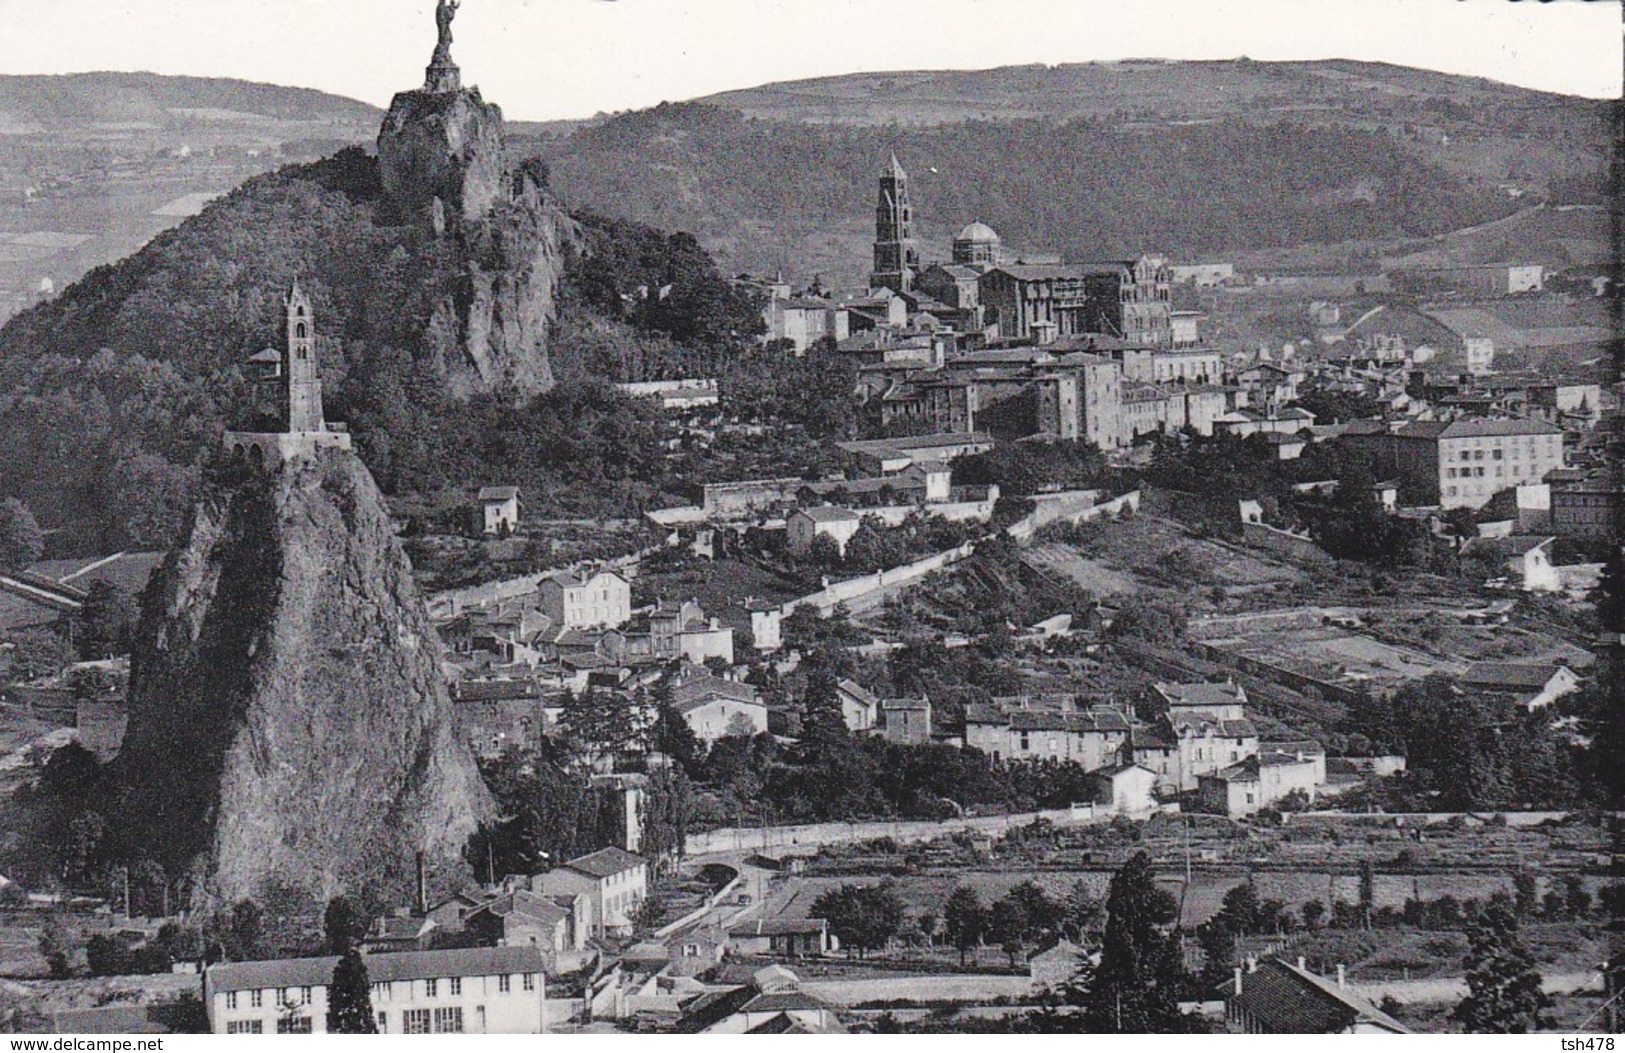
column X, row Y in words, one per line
column 304, row 385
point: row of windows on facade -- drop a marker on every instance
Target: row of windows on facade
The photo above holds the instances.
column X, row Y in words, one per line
column 1495, row 454
column 1200, row 753
column 446, row 1020
column 384, row 991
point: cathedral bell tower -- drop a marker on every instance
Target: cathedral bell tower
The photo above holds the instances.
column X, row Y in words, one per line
column 897, row 259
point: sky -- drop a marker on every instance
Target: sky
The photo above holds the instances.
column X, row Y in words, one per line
column 555, row 59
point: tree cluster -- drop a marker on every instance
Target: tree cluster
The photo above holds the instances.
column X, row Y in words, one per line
column 1468, row 752
column 864, row 918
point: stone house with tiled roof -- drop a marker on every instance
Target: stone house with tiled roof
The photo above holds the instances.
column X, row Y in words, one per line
column 1533, row 685
column 1276, row 998
column 1206, row 744
column 1024, row 728
column 860, row 708
column 616, row 880
column 585, row 598
column 715, row 707
column 523, row 917
column 771, row 1003
column 1263, row 780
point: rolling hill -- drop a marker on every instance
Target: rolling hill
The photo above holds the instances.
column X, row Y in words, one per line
column 99, row 163
column 1183, row 158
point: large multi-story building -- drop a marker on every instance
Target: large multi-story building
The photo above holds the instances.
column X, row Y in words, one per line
column 1023, row 728
column 586, row 598
column 1122, row 298
column 1055, row 391
column 616, row 880
column 477, row 990
column 1588, row 509
column 1463, row 463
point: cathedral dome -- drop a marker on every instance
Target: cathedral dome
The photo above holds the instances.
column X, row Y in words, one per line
column 979, row 233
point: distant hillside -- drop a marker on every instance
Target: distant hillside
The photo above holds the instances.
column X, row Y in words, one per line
column 1147, row 88
column 1187, row 158
column 98, row 163
column 74, row 101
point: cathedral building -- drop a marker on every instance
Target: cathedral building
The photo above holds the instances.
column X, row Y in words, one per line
column 1080, row 351
column 1127, row 299
column 1006, row 296
column 978, row 243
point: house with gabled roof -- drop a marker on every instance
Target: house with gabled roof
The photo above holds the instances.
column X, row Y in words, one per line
column 499, row 509
column 1205, row 744
column 1059, row 964
column 716, row 707
column 1533, row 685
column 771, row 1003
column 1276, row 998
column 1026, row 728
column 806, row 525
column 400, row 932
column 1219, row 701
column 1264, row 779
column 586, row 597
column 1526, row 559
column 523, row 917
column 1126, row 788
column 860, row 708
column 616, row 881
column 782, row 936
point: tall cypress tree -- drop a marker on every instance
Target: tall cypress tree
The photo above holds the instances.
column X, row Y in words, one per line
column 1135, row 987
column 1504, row 995
column 349, row 997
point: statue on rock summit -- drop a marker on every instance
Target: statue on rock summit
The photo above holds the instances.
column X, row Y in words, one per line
column 443, row 75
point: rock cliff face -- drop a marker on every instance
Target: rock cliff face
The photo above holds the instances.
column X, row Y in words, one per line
column 289, row 728
column 440, row 157
column 494, row 334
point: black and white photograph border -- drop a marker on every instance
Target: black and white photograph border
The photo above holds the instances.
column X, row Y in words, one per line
column 630, row 518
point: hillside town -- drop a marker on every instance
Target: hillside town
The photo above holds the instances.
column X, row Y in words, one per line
column 1237, row 644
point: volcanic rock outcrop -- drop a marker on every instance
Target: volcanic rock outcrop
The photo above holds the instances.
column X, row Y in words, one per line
column 289, row 726
column 493, row 334
column 440, row 156
column 441, row 163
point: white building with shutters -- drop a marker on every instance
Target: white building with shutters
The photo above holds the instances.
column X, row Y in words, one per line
column 476, row 990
